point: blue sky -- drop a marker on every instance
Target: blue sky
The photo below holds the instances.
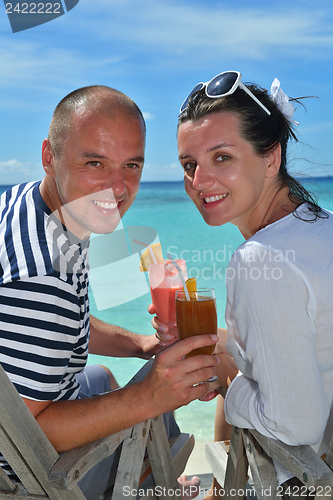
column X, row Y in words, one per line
column 156, row 51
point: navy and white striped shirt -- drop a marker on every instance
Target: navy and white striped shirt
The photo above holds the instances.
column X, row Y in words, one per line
column 44, row 307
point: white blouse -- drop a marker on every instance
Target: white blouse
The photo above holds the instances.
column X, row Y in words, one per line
column 279, row 318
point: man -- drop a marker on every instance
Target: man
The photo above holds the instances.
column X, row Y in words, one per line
column 93, row 161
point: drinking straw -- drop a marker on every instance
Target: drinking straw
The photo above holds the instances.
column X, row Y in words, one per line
column 181, row 275
column 149, row 248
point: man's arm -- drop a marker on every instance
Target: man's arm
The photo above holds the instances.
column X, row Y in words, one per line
column 172, row 382
column 111, row 340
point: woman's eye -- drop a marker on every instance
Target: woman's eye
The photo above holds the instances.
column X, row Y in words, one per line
column 189, row 167
column 223, row 157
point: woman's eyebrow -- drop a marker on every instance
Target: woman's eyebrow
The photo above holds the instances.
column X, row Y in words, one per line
column 213, row 148
column 220, row 145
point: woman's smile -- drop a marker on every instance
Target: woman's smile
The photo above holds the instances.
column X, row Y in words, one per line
column 213, row 199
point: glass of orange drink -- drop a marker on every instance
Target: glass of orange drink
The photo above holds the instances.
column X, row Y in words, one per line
column 197, row 316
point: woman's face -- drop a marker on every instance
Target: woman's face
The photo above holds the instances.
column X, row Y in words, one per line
column 224, row 177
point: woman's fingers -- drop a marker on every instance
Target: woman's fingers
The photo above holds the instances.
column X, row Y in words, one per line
column 166, row 334
column 151, row 309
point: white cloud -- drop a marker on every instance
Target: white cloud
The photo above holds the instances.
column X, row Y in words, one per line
column 147, row 115
column 34, row 63
column 170, row 31
column 179, row 28
column 322, row 127
column 12, row 171
column 170, row 172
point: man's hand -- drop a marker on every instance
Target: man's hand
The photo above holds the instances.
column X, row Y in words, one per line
column 174, row 380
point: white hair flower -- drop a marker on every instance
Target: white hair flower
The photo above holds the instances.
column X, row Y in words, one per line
column 282, row 101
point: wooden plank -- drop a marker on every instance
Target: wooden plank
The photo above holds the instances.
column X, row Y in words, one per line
column 131, row 459
column 20, row 431
column 329, row 456
column 160, row 458
column 217, row 458
column 262, row 469
column 302, row 461
column 74, row 464
column 20, row 494
column 237, row 467
column 180, row 450
column 5, row 483
column 17, row 496
column 20, row 466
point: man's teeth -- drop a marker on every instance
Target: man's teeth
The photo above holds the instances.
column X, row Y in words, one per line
column 105, row 204
column 215, row 198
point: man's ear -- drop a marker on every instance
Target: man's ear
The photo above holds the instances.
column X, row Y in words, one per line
column 47, row 157
column 274, row 162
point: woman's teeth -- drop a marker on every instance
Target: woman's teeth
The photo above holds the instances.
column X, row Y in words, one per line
column 211, row 199
column 105, row 204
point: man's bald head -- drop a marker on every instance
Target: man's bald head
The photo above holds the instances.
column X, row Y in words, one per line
column 94, row 100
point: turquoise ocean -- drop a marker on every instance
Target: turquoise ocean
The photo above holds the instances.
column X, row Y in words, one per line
column 182, row 232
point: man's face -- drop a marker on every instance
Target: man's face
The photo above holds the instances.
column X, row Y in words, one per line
column 97, row 172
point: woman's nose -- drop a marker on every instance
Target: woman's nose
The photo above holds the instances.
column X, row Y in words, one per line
column 202, row 178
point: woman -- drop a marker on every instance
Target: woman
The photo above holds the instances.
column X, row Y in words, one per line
column 232, row 144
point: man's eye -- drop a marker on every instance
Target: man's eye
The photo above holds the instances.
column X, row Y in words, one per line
column 134, row 166
column 94, row 163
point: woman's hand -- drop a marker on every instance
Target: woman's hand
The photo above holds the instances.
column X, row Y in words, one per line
column 227, row 369
column 167, row 335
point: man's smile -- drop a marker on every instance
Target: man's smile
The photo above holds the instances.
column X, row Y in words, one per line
column 109, row 205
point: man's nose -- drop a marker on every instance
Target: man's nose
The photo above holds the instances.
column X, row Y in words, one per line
column 114, row 180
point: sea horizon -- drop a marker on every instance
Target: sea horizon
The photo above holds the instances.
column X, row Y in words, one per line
column 304, row 178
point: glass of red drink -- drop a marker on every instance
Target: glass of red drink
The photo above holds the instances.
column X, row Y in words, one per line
column 164, row 280
column 197, row 316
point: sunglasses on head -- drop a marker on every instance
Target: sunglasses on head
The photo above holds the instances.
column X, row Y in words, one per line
column 221, row 85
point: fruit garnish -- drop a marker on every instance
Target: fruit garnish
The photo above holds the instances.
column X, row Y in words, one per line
column 147, row 258
column 191, row 285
